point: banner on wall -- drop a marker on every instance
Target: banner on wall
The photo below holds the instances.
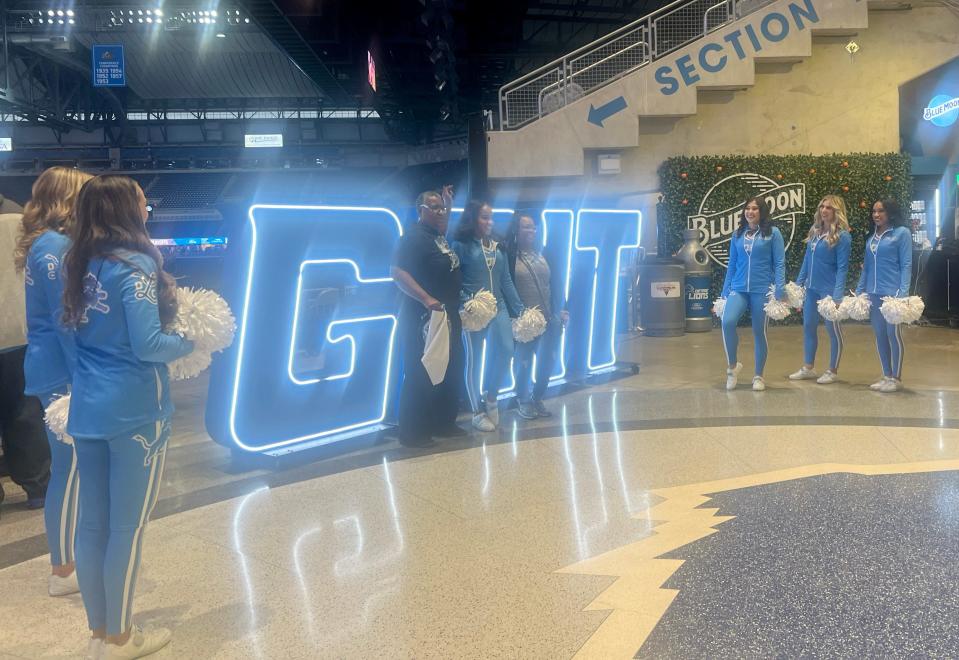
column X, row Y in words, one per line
column 717, row 218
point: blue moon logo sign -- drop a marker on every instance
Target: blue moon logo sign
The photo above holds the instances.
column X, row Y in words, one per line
column 942, row 110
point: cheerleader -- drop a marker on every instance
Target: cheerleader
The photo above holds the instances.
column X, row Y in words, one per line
column 823, row 273
column 886, row 271
column 756, row 262
column 118, row 298
column 50, row 357
column 484, row 266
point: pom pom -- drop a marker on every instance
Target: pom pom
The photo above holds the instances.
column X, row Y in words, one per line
column 828, row 309
column 795, row 295
column 902, row 310
column 204, row 318
column 57, row 415
column 855, row 307
column 530, row 325
column 190, row 365
column 775, row 309
column 719, row 305
column 478, row 311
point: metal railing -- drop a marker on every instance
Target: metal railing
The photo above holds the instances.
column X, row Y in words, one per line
column 599, row 63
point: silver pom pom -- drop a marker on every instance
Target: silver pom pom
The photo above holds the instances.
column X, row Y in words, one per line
column 719, row 305
column 855, row 307
column 795, row 295
column 204, row 318
column 57, row 415
column 478, row 311
column 190, row 365
column 775, row 309
column 902, row 310
column 828, row 309
column 530, row 325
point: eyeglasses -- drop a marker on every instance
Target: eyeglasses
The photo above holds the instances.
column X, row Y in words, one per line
column 435, row 209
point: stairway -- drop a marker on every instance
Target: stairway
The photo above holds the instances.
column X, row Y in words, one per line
column 595, row 97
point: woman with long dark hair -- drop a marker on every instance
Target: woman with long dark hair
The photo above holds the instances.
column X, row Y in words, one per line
column 118, row 298
column 48, row 365
column 483, row 264
column 757, row 259
column 531, row 275
column 823, row 273
column 887, row 271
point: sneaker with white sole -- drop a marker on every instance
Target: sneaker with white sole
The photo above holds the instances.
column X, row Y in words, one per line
column 732, row 376
column 803, row 374
column 492, row 412
column 94, row 647
column 891, row 385
column 142, row 641
column 827, row 378
column 875, row 387
column 758, row 384
column 481, row 422
column 62, row 586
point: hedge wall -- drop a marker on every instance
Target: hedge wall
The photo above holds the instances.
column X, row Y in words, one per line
column 860, row 178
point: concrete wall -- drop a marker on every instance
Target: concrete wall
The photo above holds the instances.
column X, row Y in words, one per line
column 829, row 102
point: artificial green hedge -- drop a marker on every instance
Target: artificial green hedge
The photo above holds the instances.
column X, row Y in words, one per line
column 860, row 178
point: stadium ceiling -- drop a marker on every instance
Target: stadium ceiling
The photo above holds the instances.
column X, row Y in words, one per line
column 437, row 62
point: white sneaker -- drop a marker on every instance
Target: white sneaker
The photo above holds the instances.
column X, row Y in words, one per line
column 62, row 586
column 875, row 387
column 143, row 641
column 492, row 412
column 827, row 378
column 94, row 647
column 891, row 385
column 803, row 374
column 481, row 422
column 732, row 376
column 759, row 384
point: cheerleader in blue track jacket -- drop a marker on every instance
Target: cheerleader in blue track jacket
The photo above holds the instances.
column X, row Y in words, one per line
column 757, row 257
column 823, row 273
column 118, row 298
column 887, row 271
column 48, row 365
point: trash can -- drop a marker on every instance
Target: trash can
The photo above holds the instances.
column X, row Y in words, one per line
column 699, row 276
column 662, row 309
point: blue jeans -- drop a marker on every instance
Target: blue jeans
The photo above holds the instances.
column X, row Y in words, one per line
column 118, row 490
column 498, row 336
column 736, row 305
column 888, row 340
column 60, row 509
column 545, row 349
column 810, row 328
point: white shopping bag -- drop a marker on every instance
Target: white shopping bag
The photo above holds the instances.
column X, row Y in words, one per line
column 436, row 354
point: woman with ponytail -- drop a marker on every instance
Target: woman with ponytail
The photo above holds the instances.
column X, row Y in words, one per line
column 48, row 365
column 119, row 299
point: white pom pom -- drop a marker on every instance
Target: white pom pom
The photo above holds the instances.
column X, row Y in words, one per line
column 204, row 318
column 828, row 309
column 478, row 311
column 530, row 325
column 190, row 365
column 719, row 305
column 775, row 309
column 795, row 295
column 855, row 307
column 57, row 415
column 902, row 310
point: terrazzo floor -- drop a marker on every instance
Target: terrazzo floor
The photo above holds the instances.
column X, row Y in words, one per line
column 654, row 515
